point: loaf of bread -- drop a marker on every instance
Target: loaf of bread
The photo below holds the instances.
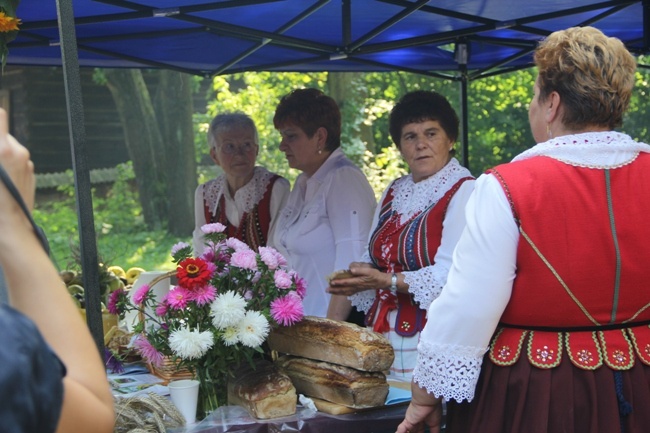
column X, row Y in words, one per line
column 334, row 341
column 335, row 383
column 265, row 392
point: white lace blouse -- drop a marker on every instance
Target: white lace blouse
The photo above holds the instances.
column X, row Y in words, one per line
column 464, row 317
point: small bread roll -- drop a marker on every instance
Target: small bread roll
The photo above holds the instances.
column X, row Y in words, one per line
column 340, row 274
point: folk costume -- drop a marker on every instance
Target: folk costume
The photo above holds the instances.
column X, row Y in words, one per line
column 550, row 281
column 415, row 230
column 248, row 216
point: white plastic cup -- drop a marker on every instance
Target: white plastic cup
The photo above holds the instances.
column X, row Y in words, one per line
column 185, row 394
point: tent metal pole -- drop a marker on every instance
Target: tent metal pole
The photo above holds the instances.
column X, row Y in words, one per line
column 76, row 122
column 464, row 118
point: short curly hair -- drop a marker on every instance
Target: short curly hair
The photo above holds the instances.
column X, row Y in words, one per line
column 592, row 73
column 310, row 109
column 421, row 105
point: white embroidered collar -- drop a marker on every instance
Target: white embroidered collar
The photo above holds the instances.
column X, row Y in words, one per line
column 410, row 198
column 590, row 149
column 247, row 196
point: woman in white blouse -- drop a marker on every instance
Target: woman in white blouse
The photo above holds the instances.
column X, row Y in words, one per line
column 543, row 324
column 416, row 227
column 325, row 224
column 245, row 198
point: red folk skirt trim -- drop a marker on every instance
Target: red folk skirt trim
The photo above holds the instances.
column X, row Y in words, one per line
column 588, row 350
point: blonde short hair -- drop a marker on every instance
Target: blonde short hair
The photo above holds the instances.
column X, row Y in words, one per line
column 592, row 73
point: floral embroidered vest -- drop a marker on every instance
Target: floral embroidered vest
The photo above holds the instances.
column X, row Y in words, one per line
column 253, row 229
column 581, row 284
column 412, row 245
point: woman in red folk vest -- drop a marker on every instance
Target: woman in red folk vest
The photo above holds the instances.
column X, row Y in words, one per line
column 416, row 226
column 245, row 198
column 543, row 323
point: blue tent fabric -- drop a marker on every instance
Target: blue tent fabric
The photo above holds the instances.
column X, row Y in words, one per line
column 227, row 36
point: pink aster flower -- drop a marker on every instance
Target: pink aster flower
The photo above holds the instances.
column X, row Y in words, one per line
column 113, row 300
column 148, row 352
column 270, row 257
column 213, row 228
column 162, row 308
column 141, row 294
column 179, row 246
column 236, row 244
column 246, row 259
column 203, row 295
column 287, row 310
column 282, row 279
column 301, row 284
column 178, row 297
column 208, row 254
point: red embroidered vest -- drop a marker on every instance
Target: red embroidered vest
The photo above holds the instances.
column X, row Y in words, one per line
column 409, row 246
column 582, row 264
column 253, row 228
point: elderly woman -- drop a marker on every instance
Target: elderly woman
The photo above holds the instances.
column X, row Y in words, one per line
column 416, row 228
column 326, row 221
column 245, row 198
column 549, row 276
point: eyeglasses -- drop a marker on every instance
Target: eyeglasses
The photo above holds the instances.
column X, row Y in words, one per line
column 231, row 149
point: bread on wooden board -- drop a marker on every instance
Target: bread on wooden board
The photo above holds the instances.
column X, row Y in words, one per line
column 265, row 392
column 334, row 341
column 335, row 383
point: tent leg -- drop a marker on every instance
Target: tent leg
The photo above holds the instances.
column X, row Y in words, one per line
column 464, row 129
column 88, row 247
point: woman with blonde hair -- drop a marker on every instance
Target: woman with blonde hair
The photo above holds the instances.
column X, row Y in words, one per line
column 543, row 323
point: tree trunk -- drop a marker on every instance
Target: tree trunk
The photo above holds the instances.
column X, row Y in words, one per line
column 143, row 139
column 175, row 109
column 349, row 93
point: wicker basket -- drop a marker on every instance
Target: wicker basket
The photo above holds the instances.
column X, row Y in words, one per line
column 168, row 370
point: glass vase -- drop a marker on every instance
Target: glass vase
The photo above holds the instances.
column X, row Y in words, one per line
column 213, row 391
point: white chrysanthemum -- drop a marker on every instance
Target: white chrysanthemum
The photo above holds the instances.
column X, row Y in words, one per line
column 189, row 344
column 230, row 336
column 227, row 309
column 253, row 329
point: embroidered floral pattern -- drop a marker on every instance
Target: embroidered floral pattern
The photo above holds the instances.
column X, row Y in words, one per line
column 545, row 354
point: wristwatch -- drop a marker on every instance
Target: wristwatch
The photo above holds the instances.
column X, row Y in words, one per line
column 393, row 283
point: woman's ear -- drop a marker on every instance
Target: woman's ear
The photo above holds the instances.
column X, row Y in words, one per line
column 553, row 107
column 213, row 155
column 322, row 137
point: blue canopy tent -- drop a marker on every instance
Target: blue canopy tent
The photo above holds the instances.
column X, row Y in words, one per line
column 461, row 40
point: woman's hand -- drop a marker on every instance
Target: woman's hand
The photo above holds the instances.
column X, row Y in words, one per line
column 424, row 409
column 15, row 160
column 366, row 277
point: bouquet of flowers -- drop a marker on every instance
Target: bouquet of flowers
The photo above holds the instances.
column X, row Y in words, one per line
column 220, row 312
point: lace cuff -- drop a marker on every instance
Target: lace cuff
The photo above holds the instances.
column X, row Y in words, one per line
column 448, row 370
column 363, row 300
column 426, row 284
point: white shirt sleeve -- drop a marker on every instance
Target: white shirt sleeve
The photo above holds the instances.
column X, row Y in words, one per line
column 462, row 320
column 426, row 283
column 350, row 206
column 279, row 196
column 198, row 237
